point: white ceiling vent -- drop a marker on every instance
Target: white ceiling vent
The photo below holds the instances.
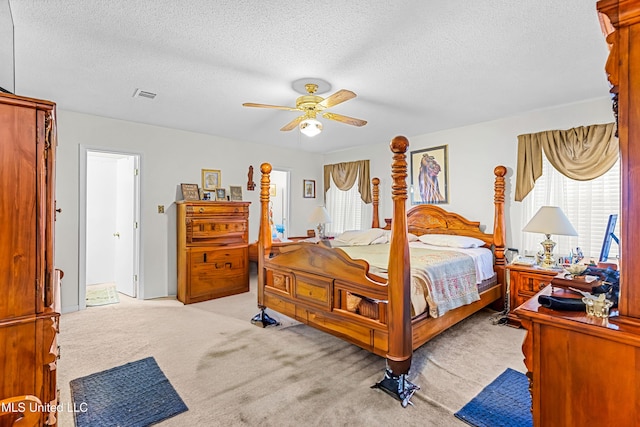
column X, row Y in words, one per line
column 139, row 93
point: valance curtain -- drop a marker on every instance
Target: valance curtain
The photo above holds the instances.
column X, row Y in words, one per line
column 344, row 176
column 582, row 153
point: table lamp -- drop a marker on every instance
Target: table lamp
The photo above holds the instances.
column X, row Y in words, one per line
column 549, row 220
column 321, row 217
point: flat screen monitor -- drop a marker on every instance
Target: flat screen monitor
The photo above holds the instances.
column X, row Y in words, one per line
column 608, row 237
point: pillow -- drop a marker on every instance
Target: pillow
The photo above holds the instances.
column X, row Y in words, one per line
column 451, row 241
column 410, row 237
column 360, row 237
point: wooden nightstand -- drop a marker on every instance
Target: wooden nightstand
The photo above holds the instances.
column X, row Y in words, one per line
column 524, row 283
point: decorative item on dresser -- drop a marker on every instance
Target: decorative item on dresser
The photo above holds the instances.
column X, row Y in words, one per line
column 213, row 254
column 321, row 217
column 583, row 370
column 550, row 220
column 190, row 191
column 525, row 282
column 30, row 297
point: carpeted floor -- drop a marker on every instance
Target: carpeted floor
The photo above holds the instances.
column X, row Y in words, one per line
column 232, row 373
column 102, row 294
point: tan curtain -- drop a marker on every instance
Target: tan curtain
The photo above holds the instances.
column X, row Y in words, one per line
column 344, row 175
column 582, row 153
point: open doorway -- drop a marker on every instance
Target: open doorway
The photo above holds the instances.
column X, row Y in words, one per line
column 279, row 198
column 109, row 224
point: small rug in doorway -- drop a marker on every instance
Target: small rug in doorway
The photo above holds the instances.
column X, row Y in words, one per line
column 505, row 402
column 101, row 295
column 136, row 394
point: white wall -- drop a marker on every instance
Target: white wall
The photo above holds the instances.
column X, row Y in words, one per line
column 474, row 151
column 168, row 157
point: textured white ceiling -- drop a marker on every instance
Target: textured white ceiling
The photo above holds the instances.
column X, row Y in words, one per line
column 417, row 66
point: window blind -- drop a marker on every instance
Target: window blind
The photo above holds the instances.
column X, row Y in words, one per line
column 347, row 211
column 587, row 204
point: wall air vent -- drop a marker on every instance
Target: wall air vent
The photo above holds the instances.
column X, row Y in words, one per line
column 139, row 93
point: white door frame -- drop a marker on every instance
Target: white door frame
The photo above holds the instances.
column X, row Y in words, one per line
column 82, row 222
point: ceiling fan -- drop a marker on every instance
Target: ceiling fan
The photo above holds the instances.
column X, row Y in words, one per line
column 312, row 104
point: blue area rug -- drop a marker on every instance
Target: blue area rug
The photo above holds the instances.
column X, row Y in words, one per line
column 505, row 402
column 137, row 394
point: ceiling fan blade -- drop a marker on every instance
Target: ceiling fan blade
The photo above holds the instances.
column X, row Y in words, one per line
column 279, row 107
column 293, row 123
column 344, row 119
column 335, row 99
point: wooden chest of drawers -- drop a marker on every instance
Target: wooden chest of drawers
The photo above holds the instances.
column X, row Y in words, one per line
column 524, row 283
column 213, row 254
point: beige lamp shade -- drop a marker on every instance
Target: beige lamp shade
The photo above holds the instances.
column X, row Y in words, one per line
column 320, row 215
column 550, row 220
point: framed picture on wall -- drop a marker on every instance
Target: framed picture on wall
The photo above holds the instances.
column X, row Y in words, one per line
column 190, row 191
column 309, row 189
column 211, row 179
column 430, row 176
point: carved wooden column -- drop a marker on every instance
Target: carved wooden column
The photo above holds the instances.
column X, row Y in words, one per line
column 376, row 201
column 399, row 282
column 499, row 228
column 264, row 246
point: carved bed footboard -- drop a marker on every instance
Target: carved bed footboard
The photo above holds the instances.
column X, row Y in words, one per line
column 313, row 284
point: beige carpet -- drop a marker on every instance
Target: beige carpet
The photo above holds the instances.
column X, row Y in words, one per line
column 232, row 373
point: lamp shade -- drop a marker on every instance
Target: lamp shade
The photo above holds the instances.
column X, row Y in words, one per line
column 320, row 215
column 310, row 127
column 550, row 220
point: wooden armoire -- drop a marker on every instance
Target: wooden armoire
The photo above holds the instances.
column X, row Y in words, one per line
column 29, row 284
column 585, row 370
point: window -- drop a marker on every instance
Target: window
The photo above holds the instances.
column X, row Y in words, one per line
column 347, row 211
column 587, row 204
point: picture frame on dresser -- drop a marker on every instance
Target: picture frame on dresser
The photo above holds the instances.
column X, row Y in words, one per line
column 221, row 194
column 190, row 192
column 235, row 193
column 211, row 179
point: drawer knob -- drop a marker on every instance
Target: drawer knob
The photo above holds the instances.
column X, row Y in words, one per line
column 201, row 210
column 541, row 285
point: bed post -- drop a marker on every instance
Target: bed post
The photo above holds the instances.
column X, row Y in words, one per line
column 399, row 285
column 499, row 232
column 376, row 201
column 264, row 246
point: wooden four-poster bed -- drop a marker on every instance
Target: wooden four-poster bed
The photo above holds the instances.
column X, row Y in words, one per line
column 317, row 284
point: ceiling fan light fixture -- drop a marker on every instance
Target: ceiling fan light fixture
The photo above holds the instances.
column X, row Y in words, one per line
column 310, row 127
